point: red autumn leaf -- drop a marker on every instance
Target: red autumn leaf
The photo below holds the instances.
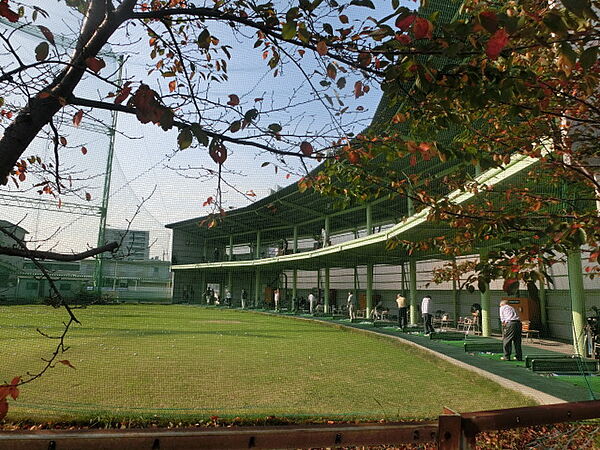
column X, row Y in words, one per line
column 149, row 109
column 3, row 408
column 77, row 118
column 358, row 89
column 6, row 12
column 306, row 148
column 413, row 160
column 67, row 363
column 496, row 44
column 84, row 150
column 88, row 196
column 322, row 48
column 95, row 64
column 251, row 193
column 22, row 176
column 12, row 389
column 218, row 152
column 234, row 100
column 123, row 93
column 47, row 34
column 403, row 38
column 44, row 94
column 422, row 28
column 343, row 18
column 353, row 157
column 208, row 201
column 63, row 141
column 172, row 86
column 405, row 22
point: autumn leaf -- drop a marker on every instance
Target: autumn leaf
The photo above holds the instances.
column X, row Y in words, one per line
column 123, row 93
column 88, row 196
column 77, row 117
column 251, row 193
column 67, row 363
column 306, row 148
column 172, row 85
column 149, row 109
column 496, row 44
column 63, row 141
column 404, row 22
column 95, row 64
column 84, row 150
column 322, row 48
column 6, row 12
column 47, row 34
column 208, row 201
column 358, row 89
column 217, row 151
column 489, row 21
column 422, row 28
column 234, row 100
column 3, row 402
column 41, row 51
column 403, row 38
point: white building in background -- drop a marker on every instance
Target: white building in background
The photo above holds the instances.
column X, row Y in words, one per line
column 135, row 244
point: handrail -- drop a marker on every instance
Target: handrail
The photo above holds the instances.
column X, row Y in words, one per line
column 453, row 431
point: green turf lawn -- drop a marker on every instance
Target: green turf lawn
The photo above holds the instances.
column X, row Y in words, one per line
column 187, row 362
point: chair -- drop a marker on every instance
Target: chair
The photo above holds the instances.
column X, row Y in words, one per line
column 445, row 322
column 527, row 332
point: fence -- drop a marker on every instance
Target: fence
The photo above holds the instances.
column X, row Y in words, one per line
column 452, row 431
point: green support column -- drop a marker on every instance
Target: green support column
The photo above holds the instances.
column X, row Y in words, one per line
column 294, row 289
column 543, row 300
column 202, row 287
column 369, row 212
column 257, row 250
column 577, row 299
column 230, row 282
column 326, row 291
column 486, row 320
column 230, row 248
column 369, row 289
column 204, row 250
column 257, row 289
column 326, row 237
column 356, row 285
column 410, row 205
column 455, row 302
column 295, row 245
column 412, row 288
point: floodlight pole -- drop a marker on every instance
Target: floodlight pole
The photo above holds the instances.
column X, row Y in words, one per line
column 106, row 191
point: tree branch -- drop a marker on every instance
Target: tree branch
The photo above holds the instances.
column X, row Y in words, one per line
column 39, row 254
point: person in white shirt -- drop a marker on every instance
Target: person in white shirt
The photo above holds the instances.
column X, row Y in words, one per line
column 511, row 331
column 426, row 310
column 350, row 306
column 276, row 299
column 311, row 303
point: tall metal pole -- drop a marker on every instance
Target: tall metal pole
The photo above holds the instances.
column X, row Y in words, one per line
column 106, row 191
column 577, row 299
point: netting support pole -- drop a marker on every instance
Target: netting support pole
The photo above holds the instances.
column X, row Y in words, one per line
column 577, row 299
column 257, row 289
column 106, row 191
column 231, row 248
column 204, row 250
column 326, row 291
column 326, row 228
column 369, row 289
column 369, row 212
column 412, row 288
column 485, row 301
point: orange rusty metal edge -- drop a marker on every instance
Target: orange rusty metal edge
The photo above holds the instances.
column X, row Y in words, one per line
column 221, row 438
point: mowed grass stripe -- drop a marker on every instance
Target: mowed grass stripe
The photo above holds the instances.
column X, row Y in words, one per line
column 172, row 360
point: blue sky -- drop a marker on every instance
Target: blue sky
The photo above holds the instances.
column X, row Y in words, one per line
column 141, row 150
